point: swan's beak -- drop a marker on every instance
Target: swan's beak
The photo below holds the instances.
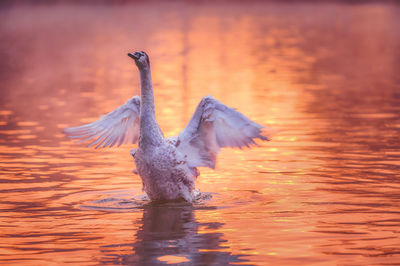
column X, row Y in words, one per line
column 135, row 56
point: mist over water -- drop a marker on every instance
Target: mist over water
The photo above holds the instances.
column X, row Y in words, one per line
column 324, row 191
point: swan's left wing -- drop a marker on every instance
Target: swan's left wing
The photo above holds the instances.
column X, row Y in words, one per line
column 120, row 126
column 214, row 126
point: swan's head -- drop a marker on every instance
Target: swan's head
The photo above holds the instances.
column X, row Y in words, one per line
column 141, row 59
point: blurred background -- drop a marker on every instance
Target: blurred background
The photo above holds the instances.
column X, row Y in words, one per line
column 323, row 74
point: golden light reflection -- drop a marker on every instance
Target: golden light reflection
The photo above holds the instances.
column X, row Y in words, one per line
column 169, row 259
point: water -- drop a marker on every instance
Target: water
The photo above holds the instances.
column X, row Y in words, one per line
column 324, row 191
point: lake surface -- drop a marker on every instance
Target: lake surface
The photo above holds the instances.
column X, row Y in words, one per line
column 324, row 191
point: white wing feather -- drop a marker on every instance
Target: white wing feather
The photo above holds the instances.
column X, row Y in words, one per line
column 120, row 126
column 214, row 126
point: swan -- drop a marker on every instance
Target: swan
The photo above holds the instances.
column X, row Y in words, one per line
column 168, row 167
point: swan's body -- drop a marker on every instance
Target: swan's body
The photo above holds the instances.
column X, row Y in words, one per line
column 168, row 167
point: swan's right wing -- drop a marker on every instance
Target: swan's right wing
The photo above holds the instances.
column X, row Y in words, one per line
column 212, row 127
column 117, row 127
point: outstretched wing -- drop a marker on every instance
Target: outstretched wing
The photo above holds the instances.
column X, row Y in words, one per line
column 214, row 126
column 117, row 127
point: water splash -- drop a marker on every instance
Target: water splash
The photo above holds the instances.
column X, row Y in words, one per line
column 122, row 201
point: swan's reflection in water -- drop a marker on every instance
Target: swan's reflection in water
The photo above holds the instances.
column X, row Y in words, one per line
column 170, row 234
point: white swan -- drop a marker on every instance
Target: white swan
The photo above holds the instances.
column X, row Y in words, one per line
column 168, row 166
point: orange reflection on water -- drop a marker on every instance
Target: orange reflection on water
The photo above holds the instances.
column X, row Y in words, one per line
column 323, row 191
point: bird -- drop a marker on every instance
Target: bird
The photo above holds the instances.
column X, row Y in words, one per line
column 168, row 166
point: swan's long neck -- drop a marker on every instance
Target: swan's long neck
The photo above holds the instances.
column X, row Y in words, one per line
column 150, row 133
